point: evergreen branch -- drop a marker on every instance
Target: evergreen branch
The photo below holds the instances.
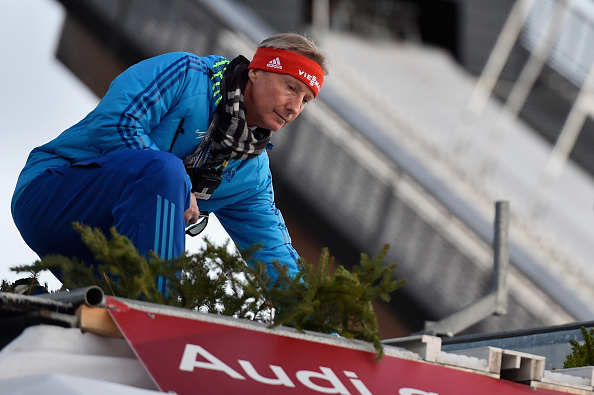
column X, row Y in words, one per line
column 581, row 354
column 216, row 280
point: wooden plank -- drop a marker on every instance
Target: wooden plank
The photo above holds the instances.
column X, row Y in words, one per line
column 98, row 321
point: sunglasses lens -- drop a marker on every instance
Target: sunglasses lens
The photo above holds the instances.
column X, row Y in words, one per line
column 198, row 227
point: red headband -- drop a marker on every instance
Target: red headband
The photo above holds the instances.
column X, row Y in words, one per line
column 286, row 62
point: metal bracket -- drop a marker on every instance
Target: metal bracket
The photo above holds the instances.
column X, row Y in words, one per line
column 494, row 303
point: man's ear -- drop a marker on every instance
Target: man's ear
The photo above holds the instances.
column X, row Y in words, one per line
column 253, row 74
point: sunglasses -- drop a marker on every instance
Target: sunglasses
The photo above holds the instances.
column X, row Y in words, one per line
column 198, row 227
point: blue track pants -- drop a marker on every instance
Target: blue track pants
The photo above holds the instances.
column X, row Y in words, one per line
column 143, row 193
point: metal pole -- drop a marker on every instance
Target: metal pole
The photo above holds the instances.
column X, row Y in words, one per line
column 490, row 74
column 91, row 296
column 321, row 15
column 582, row 108
column 496, row 301
column 521, row 89
column 501, row 255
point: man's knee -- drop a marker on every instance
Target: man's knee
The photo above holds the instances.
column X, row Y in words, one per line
column 164, row 167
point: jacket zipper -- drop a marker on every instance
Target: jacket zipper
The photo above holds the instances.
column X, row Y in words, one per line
column 180, row 130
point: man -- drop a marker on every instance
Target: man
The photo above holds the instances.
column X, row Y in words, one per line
column 147, row 159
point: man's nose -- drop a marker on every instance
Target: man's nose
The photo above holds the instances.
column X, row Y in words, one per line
column 295, row 105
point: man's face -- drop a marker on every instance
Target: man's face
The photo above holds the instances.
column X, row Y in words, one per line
column 274, row 100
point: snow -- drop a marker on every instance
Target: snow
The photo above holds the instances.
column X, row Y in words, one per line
column 463, row 361
column 66, row 385
column 566, row 378
column 42, row 350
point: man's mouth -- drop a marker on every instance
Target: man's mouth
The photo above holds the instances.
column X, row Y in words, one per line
column 283, row 118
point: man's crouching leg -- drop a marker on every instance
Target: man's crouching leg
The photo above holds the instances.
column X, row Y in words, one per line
column 150, row 210
column 143, row 193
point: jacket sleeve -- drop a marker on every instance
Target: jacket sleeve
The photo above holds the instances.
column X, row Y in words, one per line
column 138, row 99
column 256, row 220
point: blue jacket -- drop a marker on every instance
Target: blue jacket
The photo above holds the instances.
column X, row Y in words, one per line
column 143, row 109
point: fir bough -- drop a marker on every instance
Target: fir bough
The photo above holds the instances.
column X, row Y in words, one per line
column 216, row 280
column 339, row 302
column 25, row 286
column 581, row 354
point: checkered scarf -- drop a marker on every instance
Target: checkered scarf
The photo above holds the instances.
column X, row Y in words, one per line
column 228, row 133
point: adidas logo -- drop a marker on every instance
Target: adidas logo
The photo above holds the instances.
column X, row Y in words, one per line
column 275, row 63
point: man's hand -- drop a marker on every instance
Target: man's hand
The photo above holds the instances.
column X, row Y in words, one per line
column 192, row 214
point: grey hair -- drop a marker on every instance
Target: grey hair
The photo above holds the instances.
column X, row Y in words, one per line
column 298, row 43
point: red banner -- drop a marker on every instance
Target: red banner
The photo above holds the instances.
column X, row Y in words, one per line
column 195, row 356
